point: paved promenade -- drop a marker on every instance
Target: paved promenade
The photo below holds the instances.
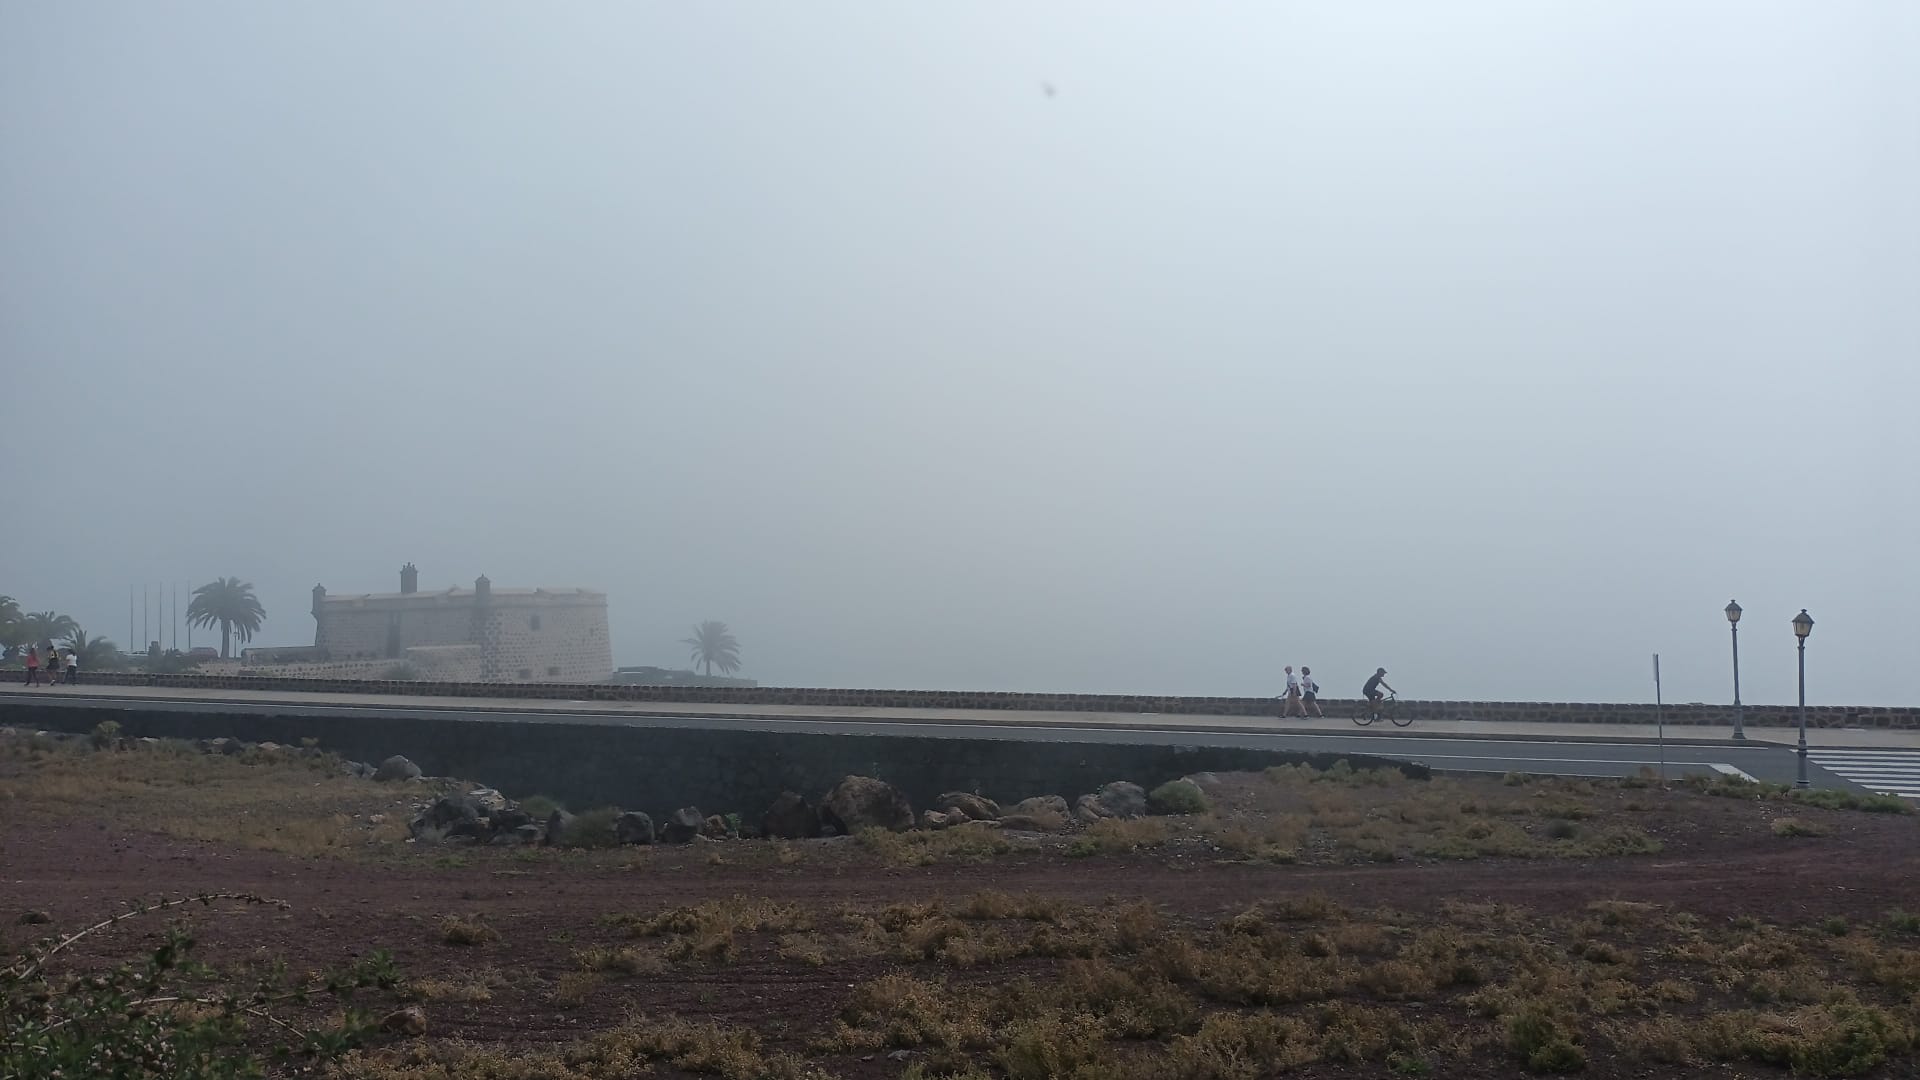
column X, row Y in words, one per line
column 1833, row 738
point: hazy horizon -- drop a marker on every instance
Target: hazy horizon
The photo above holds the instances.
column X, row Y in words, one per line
column 1086, row 347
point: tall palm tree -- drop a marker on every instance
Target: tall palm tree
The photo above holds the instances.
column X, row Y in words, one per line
column 230, row 604
column 96, row 653
column 12, row 634
column 714, row 647
column 46, row 627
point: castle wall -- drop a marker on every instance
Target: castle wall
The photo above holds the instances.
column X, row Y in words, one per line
column 356, row 630
column 514, row 635
column 545, row 639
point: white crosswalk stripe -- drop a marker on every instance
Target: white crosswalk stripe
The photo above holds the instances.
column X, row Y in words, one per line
column 1894, row 772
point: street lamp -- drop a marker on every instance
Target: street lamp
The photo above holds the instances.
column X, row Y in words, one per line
column 1739, row 710
column 1802, row 626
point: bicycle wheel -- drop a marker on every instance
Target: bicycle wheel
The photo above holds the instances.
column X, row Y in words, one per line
column 1365, row 716
column 1398, row 721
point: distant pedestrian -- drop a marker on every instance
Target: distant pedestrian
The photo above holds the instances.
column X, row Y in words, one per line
column 33, row 664
column 1310, row 690
column 1292, row 705
column 73, row 666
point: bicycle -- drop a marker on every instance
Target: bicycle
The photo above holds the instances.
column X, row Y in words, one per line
column 1388, row 709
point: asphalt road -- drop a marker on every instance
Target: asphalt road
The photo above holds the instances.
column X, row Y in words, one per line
column 1441, row 752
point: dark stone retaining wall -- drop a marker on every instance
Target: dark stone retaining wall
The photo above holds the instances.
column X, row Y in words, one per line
column 1833, row 716
column 659, row 769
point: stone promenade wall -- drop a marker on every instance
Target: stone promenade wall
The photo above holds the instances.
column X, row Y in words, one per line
column 717, row 768
column 1825, row 716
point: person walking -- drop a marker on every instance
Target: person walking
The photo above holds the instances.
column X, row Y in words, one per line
column 1292, row 704
column 1310, row 693
column 73, row 666
column 33, row 664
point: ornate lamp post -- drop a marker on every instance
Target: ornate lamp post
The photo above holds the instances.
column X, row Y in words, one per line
column 1802, row 626
column 1739, row 710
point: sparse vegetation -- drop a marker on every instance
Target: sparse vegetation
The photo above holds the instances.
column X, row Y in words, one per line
column 164, row 1015
column 1008, row 983
column 464, row 930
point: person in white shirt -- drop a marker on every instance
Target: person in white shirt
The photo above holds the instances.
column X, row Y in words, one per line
column 1310, row 691
column 1292, row 704
column 73, row 666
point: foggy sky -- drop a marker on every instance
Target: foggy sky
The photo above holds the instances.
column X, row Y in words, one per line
column 1498, row 344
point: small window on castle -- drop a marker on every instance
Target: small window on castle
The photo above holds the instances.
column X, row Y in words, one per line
column 554, row 670
column 526, row 673
column 533, row 623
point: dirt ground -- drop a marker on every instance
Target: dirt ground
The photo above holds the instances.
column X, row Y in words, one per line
column 1721, row 863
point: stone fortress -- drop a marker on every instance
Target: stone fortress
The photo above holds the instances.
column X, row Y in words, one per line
column 482, row 634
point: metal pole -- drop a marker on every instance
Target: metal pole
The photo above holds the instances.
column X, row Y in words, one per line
column 1802, row 781
column 1660, row 717
column 1739, row 710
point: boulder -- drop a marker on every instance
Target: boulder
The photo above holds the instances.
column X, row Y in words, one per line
column 977, row 807
column 937, row 819
column 1123, row 799
column 509, row 820
column 1038, row 806
column 530, row 833
column 861, row 802
column 556, row 829
column 633, row 827
column 1038, row 821
column 489, row 800
column 791, row 817
column 474, row 831
column 683, row 826
column 443, row 815
column 396, row 768
column 1088, row 809
column 359, row 770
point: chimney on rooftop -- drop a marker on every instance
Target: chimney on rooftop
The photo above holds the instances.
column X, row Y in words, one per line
column 409, row 579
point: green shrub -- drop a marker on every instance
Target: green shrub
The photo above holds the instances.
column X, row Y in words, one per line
column 1181, row 796
column 105, row 734
column 1537, row 1038
column 541, row 807
column 590, row 829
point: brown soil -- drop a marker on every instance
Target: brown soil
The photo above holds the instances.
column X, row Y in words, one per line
column 1720, row 860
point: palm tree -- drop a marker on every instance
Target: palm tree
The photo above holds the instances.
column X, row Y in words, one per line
column 714, row 647
column 12, row 634
column 46, row 627
column 96, row 653
column 230, row 603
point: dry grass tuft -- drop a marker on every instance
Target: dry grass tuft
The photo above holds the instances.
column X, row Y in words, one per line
column 463, row 930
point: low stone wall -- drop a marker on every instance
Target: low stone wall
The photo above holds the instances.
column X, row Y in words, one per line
column 1825, row 716
column 659, row 770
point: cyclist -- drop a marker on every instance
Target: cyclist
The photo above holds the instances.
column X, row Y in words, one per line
column 1372, row 690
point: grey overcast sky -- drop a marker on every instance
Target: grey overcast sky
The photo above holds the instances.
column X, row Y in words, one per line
column 1496, row 343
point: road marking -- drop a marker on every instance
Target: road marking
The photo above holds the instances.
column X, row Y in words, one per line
column 1890, row 772
column 1729, row 770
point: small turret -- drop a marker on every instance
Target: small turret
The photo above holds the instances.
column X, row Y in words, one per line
column 409, row 579
column 482, row 589
column 319, row 597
